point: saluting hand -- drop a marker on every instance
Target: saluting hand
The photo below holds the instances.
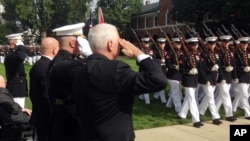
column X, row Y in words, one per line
column 129, row 49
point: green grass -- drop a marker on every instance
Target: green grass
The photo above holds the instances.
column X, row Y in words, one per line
column 148, row 116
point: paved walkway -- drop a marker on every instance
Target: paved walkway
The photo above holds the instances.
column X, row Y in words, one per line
column 186, row 132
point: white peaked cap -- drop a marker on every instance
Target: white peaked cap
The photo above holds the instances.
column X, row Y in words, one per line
column 193, row 39
column 211, row 39
column 161, row 40
column 244, row 39
column 73, row 29
column 225, row 37
column 237, row 41
column 17, row 36
column 146, row 39
column 175, row 39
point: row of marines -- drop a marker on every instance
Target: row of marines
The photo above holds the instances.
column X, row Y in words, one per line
column 212, row 72
column 33, row 54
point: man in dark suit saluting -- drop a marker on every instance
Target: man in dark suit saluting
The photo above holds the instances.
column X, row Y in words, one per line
column 105, row 88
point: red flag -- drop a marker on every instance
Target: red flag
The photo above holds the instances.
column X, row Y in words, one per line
column 100, row 16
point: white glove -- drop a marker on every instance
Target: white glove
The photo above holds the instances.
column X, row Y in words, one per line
column 236, row 80
column 177, row 67
column 247, row 69
column 19, row 42
column 208, row 83
column 215, row 67
column 193, row 71
column 223, row 82
column 83, row 46
column 229, row 68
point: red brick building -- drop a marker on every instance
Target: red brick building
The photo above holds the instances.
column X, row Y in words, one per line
column 153, row 16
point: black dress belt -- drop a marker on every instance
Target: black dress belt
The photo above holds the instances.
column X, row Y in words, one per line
column 17, row 75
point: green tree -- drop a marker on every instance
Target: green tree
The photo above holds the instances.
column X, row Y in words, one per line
column 119, row 12
column 45, row 15
column 194, row 10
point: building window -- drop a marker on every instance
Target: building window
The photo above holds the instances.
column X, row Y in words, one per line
column 140, row 23
column 137, row 23
column 166, row 18
column 155, row 21
column 146, row 22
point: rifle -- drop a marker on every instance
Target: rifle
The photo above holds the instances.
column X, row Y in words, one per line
column 239, row 35
column 208, row 29
column 183, row 45
column 153, row 41
column 170, row 45
column 137, row 39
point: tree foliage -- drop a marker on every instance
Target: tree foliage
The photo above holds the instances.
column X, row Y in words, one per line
column 45, row 15
column 119, row 12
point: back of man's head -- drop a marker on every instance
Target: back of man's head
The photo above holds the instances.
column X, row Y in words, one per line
column 49, row 46
column 100, row 34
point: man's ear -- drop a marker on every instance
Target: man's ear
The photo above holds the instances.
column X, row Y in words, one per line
column 109, row 45
column 73, row 43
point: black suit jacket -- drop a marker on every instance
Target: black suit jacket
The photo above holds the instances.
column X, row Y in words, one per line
column 15, row 72
column 41, row 110
column 10, row 111
column 105, row 92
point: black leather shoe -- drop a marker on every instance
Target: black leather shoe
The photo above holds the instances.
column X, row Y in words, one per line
column 231, row 119
column 248, row 118
column 198, row 124
column 217, row 121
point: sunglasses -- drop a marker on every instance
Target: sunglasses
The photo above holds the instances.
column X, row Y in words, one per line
column 193, row 43
column 145, row 42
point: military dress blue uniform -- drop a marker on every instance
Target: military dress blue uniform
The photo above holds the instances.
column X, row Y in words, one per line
column 174, row 76
column 243, row 71
column 15, row 71
column 226, row 77
column 190, row 66
column 210, row 65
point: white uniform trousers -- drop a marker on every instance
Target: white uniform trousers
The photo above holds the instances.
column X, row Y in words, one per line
column 243, row 94
column 161, row 95
column 233, row 91
column 20, row 101
column 225, row 99
column 170, row 99
column 1, row 59
column 189, row 103
column 199, row 93
column 236, row 102
column 145, row 97
column 209, row 101
column 175, row 95
column 29, row 60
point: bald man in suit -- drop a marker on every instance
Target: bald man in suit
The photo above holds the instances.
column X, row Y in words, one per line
column 38, row 88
